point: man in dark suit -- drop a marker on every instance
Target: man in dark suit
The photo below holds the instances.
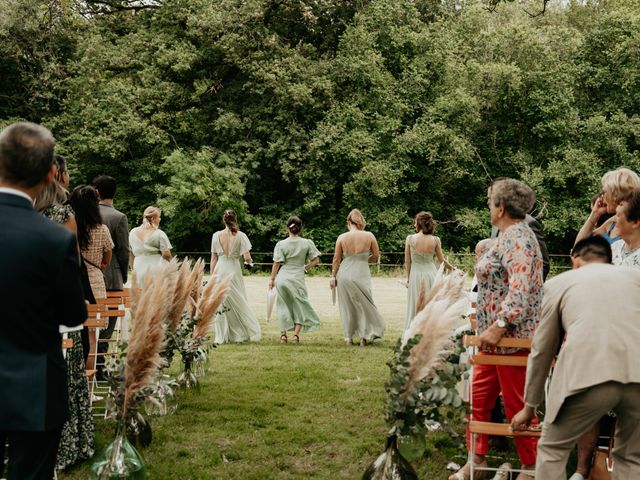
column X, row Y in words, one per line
column 115, row 275
column 41, row 289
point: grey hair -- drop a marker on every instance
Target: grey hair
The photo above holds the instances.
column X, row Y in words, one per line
column 516, row 197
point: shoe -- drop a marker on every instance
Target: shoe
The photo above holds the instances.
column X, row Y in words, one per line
column 283, row 338
column 349, row 341
column 465, row 474
column 96, row 398
column 576, row 476
column 363, row 342
column 296, row 339
column 504, row 472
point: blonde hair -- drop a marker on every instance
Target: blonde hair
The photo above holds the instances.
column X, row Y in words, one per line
column 619, row 183
column 483, row 246
column 356, row 218
column 151, row 217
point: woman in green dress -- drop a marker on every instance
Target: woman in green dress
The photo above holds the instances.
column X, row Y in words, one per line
column 420, row 253
column 292, row 257
column 236, row 322
column 350, row 274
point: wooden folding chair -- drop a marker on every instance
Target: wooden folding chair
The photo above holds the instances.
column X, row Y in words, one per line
column 489, row 428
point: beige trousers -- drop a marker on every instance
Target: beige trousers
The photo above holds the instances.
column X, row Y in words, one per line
column 583, row 410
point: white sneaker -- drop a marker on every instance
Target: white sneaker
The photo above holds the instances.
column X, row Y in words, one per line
column 96, row 398
column 503, row 472
column 576, row 476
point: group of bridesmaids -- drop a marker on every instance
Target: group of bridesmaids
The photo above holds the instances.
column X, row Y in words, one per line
column 350, row 277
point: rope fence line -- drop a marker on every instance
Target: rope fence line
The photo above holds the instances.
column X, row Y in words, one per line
column 557, row 261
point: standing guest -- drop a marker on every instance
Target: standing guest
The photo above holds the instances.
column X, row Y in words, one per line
column 39, row 273
column 594, row 301
column 95, row 244
column 616, row 185
column 350, row 274
column 420, row 252
column 149, row 246
column 77, row 439
column 236, row 322
column 292, row 257
column 115, row 275
column 509, row 302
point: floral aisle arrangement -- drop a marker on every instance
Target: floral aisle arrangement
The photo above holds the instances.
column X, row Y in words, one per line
column 425, row 369
column 192, row 333
column 133, row 373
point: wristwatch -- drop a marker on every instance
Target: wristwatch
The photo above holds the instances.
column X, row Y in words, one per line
column 501, row 324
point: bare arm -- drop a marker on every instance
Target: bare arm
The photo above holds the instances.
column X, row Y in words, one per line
column 106, row 258
column 312, row 263
column 335, row 264
column 213, row 262
column 247, row 257
column 166, row 254
column 440, row 255
column 131, row 259
column 375, row 250
column 274, row 272
column 589, row 226
column 407, row 258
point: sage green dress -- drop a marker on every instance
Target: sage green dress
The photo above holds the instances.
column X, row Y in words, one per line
column 293, row 301
column 423, row 267
column 236, row 322
column 360, row 316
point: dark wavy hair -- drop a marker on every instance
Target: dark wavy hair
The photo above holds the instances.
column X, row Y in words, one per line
column 230, row 219
column 84, row 201
column 425, row 222
column 294, row 224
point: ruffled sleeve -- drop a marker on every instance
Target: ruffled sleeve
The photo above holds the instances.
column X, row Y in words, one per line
column 312, row 251
column 245, row 244
column 165, row 244
column 216, row 246
column 278, row 253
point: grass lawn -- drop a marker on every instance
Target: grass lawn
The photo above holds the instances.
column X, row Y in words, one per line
column 267, row 410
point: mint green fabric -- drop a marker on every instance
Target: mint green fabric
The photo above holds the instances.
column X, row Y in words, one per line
column 423, row 267
column 237, row 322
column 360, row 316
column 293, row 301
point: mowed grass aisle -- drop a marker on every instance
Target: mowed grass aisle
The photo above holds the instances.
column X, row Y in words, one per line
column 268, row 410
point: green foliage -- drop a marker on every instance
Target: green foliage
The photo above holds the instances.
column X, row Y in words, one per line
column 314, row 108
column 434, row 402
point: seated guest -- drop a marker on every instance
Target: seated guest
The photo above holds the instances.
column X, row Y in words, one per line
column 509, row 299
column 39, row 272
column 595, row 309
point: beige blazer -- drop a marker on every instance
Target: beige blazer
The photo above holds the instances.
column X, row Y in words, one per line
column 598, row 306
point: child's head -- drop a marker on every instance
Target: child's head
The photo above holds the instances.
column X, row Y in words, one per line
column 483, row 247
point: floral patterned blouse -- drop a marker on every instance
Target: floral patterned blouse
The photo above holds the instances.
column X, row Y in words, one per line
column 621, row 257
column 510, row 283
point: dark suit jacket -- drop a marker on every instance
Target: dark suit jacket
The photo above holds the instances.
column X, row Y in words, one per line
column 115, row 275
column 40, row 289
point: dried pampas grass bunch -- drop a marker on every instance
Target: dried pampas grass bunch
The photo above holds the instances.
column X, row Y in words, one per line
column 445, row 305
column 147, row 338
column 212, row 297
column 181, row 295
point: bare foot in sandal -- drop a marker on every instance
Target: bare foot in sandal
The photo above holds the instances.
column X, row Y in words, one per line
column 465, row 472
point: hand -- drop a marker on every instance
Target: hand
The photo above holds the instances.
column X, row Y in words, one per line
column 490, row 338
column 522, row 419
column 272, row 283
column 332, row 283
column 599, row 208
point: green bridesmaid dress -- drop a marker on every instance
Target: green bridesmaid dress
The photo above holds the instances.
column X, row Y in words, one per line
column 237, row 322
column 423, row 267
column 360, row 316
column 293, row 301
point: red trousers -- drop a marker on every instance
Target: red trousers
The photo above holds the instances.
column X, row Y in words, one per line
column 488, row 382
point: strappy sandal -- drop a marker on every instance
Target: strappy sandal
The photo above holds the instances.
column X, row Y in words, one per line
column 349, row 342
column 296, row 339
column 363, row 342
column 283, row 338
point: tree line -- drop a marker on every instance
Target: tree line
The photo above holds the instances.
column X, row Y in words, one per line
column 314, row 107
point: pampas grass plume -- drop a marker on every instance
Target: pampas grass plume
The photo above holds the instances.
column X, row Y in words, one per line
column 211, row 299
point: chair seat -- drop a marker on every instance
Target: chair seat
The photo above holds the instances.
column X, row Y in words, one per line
column 501, row 429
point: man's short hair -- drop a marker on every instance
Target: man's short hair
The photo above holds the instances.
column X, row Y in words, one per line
column 593, row 249
column 105, row 185
column 26, row 154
